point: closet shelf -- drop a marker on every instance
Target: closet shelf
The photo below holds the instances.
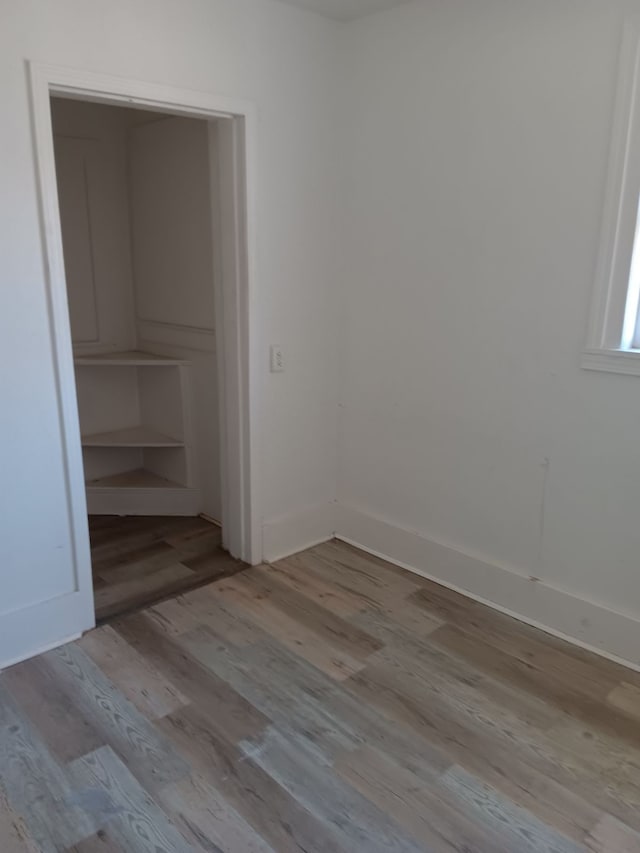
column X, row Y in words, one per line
column 138, row 479
column 132, row 358
column 138, row 436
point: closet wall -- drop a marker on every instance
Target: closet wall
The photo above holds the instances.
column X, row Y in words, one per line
column 286, row 63
column 174, row 267
column 135, row 202
column 91, row 163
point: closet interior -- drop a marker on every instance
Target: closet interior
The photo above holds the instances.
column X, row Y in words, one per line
column 137, row 199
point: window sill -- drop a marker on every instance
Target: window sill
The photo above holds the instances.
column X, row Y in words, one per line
column 612, row 361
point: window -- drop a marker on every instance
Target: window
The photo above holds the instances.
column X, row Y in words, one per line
column 614, row 332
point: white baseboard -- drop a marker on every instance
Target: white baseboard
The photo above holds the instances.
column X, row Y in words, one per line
column 40, row 650
column 584, row 623
column 44, row 625
column 298, row 531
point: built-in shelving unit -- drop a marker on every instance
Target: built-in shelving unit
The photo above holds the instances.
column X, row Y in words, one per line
column 136, row 433
column 138, row 479
column 138, row 436
column 132, row 358
column 140, row 280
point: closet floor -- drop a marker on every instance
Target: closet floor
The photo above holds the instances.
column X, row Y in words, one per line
column 140, row 560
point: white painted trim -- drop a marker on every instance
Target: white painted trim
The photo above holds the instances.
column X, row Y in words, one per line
column 110, row 89
column 298, row 531
column 612, row 298
column 40, row 651
column 585, row 623
column 62, row 358
column 237, row 312
column 44, row 625
column 236, row 338
column 612, row 361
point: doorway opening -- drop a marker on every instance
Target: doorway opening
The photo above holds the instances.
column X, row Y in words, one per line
column 145, row 216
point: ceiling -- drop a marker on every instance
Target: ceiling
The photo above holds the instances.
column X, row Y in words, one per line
column 345, row 10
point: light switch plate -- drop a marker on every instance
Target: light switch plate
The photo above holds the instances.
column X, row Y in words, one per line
column 276, row 359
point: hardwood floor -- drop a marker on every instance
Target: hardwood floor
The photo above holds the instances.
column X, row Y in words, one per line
column 330, row 702
column 138, row 561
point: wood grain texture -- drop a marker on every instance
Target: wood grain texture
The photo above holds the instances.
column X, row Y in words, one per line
column 415, row 804
column 111, row 794
column 327, row 703
column 207, row 819
column 626, row 698
column 293, row 632
column 102, row 842
column 138, row 561
column 14, row 835
column 132, row 674
column 610, row 835
column 35, row 785
column 66, row 730
column 121, row 726
column 263, row 803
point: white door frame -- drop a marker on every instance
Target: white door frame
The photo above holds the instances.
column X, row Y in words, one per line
column 236, row 332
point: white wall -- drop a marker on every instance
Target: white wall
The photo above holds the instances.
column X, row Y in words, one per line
column 284, row 60
column 91, row 163
column 477, row 134
column 170, row 162
column 462, row 156
column 90, row 142
column 172, row 222
column 135, row 203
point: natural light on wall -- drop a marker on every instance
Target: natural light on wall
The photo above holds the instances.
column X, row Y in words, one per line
column 613, row 342
column 630, row 323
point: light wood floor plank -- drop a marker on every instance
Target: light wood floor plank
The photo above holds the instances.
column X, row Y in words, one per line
column 133, row 675
column 466, row 740
column 611, row 836
column 102, row 842
column 293, row 634
column 558, row 690
column 363, row 574
column 350, row 816
column 279, row 699
column 121, row 725
column 523, row 831
column 261, row 801
column 429, row 667
column 329, row 703
column 207, row 820
column 358, row 722
column 236, row 717
column 66, row 730
column 626, row 698
column 206, row 607
column 36, row 787
column 298, row 573
column 433, row 821
column 108, row 791
column 330, row 628
column 14, row 835
column 518, row 638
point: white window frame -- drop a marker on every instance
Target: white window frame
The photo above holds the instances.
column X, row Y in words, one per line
column 613, row 342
